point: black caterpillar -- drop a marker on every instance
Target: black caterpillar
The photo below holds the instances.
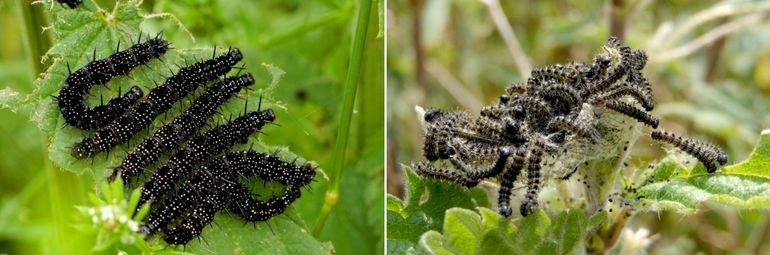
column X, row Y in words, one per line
column 158, row 101
column 200, row 149
column 534, row 122
column 78, row 84
column 182, row 211
column 218, row 184
column 72, row 4
column 270, row 168
column 181, row 128
column 190, row 194
column 241, row 203
column 708, row 154
column 633, row 112
column 245, row 205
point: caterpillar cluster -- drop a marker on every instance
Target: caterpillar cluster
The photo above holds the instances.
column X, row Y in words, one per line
column 219, row 185
column 181, row 128
column 158, row 101
column 71, row 98
column 200, row 149
column 202, row 177
column 561, row 110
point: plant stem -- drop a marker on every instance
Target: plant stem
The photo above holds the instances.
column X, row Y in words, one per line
column 509, row 37
column 348, row 102
column 37, row 41
column 65, row 189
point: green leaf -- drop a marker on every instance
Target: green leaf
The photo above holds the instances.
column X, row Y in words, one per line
column 672, row 186
column 107, row 193
column 410, row 228
column 758, row 163
column 496, row 229
column 143, row 211
column 279, row 235
column 569, row 230
column 441, row 196
column 393, row 203
column 532, row 230
column 92, row 32
column 401, row 247
column 598, row 219
column 485, row 232
column 81, row 35
column 462, row 228
column 133, row 200
column 408, row 219
column 466, row 231
column 365, row 230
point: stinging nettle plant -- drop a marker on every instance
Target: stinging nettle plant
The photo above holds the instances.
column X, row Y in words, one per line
column 86, row 32
column 561, row 141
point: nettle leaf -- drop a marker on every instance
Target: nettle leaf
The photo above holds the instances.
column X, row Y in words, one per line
column 424, row 208
column 82, row 35
column 89, row 32
column 284, row 234
column 486, row 232
column 672, row 186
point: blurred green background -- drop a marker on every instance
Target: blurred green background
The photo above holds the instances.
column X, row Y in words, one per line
column 309, row 40
column 709, row 67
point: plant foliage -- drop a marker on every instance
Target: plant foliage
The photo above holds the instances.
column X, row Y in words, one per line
column 415, row 224
column 304, row 103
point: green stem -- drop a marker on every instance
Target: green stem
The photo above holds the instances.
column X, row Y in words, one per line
column 348, row 102
column 65, row 189
column 37, row 41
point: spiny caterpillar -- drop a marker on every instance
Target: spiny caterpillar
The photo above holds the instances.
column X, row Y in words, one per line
column 157, row 102
column 564, row 115
column 200, row 149
column 708, row 154
column 184, row 200
column 181, row 128
column 71, row 98
column 270, row 168
column 218, row 185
